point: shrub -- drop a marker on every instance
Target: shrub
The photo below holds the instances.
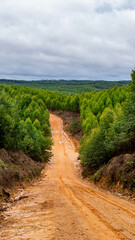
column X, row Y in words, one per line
column 75, row 127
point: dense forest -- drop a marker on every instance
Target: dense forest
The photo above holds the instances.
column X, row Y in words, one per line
column 108, row 122
column 24, row 122
column 107, row 117
column 102, row 118
column 64, row 86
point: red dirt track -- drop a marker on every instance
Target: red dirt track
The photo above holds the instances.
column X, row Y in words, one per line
column 62, row 206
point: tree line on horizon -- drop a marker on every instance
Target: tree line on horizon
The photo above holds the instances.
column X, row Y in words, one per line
column 67, row 86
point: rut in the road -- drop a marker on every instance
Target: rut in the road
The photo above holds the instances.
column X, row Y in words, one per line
column 63, row 206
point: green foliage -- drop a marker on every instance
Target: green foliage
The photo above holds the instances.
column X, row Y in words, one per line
column 106, row 119
column 36, row 124
column 24, row 121
column 130, row 163
column 74, row 127
column 2, row 164
column 46, row 129
column 113, row 130
column 92, row 149
column 34, row 143
column 89, row 123
column 7, row 120
column 96, row 177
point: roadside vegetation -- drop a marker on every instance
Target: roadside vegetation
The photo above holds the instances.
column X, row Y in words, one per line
column 24, row 122
column 108, row 122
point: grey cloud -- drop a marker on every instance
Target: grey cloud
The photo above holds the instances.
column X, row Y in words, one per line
column 128, row 4
column 106, row 7
column 66, row 39
column 109, row 6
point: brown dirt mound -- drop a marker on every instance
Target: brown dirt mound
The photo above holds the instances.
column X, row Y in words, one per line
column 16, row 167
column 119, row 173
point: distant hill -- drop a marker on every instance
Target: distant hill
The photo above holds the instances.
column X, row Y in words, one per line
column 64, row 86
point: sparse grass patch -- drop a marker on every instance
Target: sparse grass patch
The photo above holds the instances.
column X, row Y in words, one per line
column 96, row 177
column 2, row 165
column 75, row 127
column 130, row 163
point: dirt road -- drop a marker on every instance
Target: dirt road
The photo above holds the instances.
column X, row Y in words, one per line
column 62, row 206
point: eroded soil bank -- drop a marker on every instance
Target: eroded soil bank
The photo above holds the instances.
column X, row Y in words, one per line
column 16, row 168
column 62, row 206
column 118, row 175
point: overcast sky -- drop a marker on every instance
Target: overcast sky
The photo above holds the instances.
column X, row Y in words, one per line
column 68, row 39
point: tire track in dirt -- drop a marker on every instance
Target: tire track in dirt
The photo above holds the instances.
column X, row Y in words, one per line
column 98, row 225
column 85, row 209
column 93, row 192
column 93, row 210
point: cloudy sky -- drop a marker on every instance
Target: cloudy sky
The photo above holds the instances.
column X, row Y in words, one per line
column 69, row 39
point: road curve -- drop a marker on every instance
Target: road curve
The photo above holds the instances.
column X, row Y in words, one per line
column 62, row 206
